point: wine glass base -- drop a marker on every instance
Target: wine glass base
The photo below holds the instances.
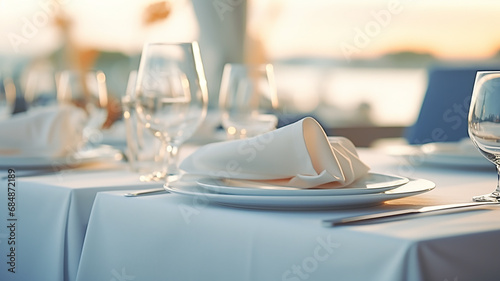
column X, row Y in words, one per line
column 156, row 176
column 492, row 197
column 159, row 176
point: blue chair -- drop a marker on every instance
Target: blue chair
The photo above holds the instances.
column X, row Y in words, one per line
column 444, row 111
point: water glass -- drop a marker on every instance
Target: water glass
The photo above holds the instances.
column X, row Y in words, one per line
column 248, row 100
column 142, row 145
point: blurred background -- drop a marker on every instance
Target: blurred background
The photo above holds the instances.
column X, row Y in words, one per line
column 353, row 64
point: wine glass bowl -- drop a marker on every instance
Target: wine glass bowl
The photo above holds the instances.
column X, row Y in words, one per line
column 164, row 109
column 247, row 100
column 484, row 123
column 87, row 90
column 171, row 98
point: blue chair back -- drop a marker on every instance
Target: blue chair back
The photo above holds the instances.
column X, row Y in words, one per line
column 444, row 111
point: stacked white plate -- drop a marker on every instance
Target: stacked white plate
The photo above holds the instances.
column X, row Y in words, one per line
column 371, row 190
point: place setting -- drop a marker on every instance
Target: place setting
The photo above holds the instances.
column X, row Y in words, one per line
column 296, row 167
column 457, row 154
column 64, row 132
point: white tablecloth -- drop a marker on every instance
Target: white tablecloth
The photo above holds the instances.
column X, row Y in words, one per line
column 52, row 212
column 172, row 237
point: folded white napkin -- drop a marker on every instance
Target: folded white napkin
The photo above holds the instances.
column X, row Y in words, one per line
column 299, row 155
column 51, row 132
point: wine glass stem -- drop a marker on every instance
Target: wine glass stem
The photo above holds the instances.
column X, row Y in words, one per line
column 170, row 160
column 496, row 193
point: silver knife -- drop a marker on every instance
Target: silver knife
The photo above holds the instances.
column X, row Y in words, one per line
column 400, row 213
column 146, row 192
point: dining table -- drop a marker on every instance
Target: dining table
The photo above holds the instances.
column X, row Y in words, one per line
column 79, row 225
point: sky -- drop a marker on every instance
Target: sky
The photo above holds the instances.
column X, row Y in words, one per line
column 449, row 29
column 109, row 25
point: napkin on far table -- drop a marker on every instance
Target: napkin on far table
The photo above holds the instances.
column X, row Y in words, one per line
column 299, row 155
column 50, row 132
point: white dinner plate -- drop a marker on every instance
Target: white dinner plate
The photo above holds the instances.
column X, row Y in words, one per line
column 372, row 183
column 451, row 154
column 413, row 187
column 87, row 156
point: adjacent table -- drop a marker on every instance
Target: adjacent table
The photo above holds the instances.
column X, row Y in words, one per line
column 46, row 228
column 174, row 237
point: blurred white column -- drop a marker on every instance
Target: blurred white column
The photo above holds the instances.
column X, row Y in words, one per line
column 222, row 25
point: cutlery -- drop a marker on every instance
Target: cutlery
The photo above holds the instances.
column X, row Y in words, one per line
column 146, row 192
column 169, row 179
column 400, row 213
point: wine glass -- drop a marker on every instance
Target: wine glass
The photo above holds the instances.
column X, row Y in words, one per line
column 40, row 88
column 247, row 100
column 7, row 97
column 484, row 123
column 87, row 90
column 171, row 98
